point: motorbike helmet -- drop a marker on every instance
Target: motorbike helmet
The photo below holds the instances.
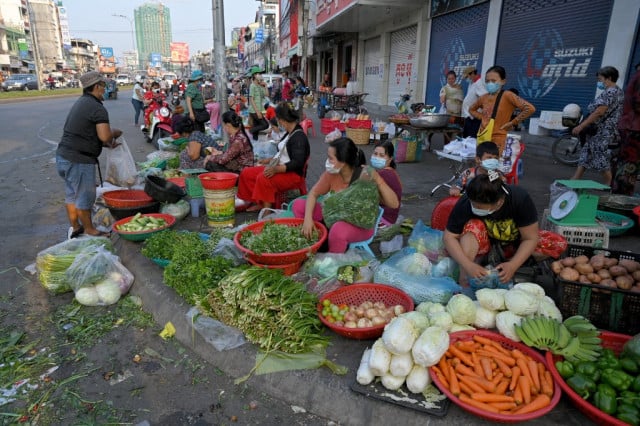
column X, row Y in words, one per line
column 571, row 115
column 139, row 79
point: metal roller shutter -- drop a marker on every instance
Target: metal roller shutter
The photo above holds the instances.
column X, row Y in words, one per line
column 552, row 49
column 373, row 70
column 402, row 68
column 457, row 41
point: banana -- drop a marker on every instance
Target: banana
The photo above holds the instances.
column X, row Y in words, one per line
column 531, row 332
column 564, row 336
column 571, row 349
column 524, row 336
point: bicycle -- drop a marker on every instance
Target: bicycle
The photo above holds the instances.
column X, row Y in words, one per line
column 566, row 149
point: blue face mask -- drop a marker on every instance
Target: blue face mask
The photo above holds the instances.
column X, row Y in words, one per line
column 480, row 212
column 377, row 162
column 493, row 87
column 491, row 164
column 601, row 85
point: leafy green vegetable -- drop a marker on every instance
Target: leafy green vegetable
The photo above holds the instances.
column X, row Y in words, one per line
column 192, row 279
column 164, row 244
column 357, row 205
column 277, row 238
column 173, row 162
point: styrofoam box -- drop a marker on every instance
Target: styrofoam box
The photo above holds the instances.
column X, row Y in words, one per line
column 535, row 129
column 551, row 120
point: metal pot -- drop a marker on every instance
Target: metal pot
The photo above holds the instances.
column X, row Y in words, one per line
column 430, row 120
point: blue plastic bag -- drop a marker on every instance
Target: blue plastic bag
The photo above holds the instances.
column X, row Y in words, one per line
column 427, row 241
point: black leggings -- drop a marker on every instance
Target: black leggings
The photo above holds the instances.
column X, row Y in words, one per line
column 258, row 125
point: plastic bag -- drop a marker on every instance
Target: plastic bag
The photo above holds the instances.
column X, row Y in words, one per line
column 120, row 167
column 326, row 265
column 333, row 135
column 228, row 249
column 421, row 288
column 427, row 241
column 356, row 205
column 166, row 144
column 219, row 335
column 266, row 149
column 179, row 210
column 392, row 245
column 443, row 109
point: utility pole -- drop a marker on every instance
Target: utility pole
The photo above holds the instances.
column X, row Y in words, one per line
column 36, row 50
column 217, row 10
column 305, row 24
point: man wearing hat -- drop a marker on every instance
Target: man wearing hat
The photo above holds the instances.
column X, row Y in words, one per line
column 195, row 101
column 86, row 131
column 475, row 90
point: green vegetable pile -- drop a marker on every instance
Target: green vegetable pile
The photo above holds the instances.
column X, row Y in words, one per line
column 140, row 223
column 357, row 205
column 164, row 244
column 277, row 238
column 272, row 310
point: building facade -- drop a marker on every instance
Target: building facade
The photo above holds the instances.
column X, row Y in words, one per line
column 153, row 35
column 16, row 47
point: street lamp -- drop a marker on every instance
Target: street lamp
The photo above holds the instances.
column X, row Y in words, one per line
column 133, row 41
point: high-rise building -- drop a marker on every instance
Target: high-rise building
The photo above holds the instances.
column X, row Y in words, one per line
column 153, row 34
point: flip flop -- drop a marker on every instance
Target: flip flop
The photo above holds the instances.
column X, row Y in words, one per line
column 74, row 233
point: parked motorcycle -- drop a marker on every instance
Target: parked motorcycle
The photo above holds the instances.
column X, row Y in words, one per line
column 160, row 121
column 566, row 149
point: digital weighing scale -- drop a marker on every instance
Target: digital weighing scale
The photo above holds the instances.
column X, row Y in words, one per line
column 576, row 207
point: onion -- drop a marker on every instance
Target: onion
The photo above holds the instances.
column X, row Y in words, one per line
column 350, row 324
column 378, row 320
column 379, row 305
column 339, row 324
column 360, row 312
column 366, row 305
column 350, row 316
column 371, row 313
column 364, row 323
column 399, row 310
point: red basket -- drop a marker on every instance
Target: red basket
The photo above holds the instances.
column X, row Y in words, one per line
column 441, row 212
column 636, row 210
column 610, row 340
column 508, row 344
column 287, row 269
column 355, row 294
column 359, row 124
column 327, row 125
column 297, row 256
column 180, row 181
column 218, row 180
column 126, row 198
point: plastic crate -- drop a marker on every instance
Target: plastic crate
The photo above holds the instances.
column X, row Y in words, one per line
column 359, row 124
column 607, row 308
column 194, row 187
column 588, row 236
column 328, row 125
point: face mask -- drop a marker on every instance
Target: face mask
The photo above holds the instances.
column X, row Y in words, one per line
column 491, row 164
column 378, row 163
column 493, row 87
column 601, row 85
column 480, row 212
column 330, row 168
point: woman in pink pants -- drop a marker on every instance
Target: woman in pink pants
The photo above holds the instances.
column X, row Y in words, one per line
column 344, row 166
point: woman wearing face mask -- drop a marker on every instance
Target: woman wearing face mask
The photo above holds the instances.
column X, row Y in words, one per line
column 344, row 166
column 508, row 102
column 382, row 161
column 604, row 113
column 494, row 224
column 286, row 170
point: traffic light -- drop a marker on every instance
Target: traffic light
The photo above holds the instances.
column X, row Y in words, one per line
column 247, row 34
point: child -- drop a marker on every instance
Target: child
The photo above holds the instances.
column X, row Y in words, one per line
column 270, row 111
column 487, row 158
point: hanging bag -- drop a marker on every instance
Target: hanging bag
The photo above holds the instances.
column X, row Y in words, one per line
column 487, row 132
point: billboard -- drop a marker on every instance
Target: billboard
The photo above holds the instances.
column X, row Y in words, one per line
column 107, row 61
column 179, row 52
column 155, row 60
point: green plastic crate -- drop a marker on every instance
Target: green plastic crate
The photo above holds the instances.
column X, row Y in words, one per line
column 194, row 187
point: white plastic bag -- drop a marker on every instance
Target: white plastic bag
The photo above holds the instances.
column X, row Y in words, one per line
column 120, row 169
column 333, row 135
column 443, row 109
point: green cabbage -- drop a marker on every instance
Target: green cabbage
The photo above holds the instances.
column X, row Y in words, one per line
column 462, row 309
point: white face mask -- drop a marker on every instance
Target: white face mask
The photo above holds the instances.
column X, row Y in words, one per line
column 491, row 164
column 330, row 168
column 480, row 212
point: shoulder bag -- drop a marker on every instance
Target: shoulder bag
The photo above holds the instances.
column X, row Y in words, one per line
column 487, row 132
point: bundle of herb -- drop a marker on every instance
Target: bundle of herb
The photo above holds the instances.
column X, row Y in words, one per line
column 164, row 244
column 277, row 238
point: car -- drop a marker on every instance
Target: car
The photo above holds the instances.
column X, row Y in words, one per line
column 20, row 82
column 122, row 79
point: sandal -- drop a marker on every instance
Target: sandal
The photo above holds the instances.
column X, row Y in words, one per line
column 75, row 233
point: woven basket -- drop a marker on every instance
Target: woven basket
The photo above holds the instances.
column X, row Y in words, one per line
column 359, row 136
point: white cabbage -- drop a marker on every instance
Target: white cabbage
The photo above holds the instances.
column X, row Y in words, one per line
column 364, row 376
column 430, row 308
column 462, row 309
column 521, row 302
column 549, row 309
column 418, row 379
column 442, row 320
column 430, row 346
column 459, row 327
column 491, row 298
column 379, row 359
column 415, row 264
column 108, row 291
column 505, row 323
column 532, row 288
column 87, row 296
column 400, row 365
column 420, row 320
column 485, row 318
column 398, row 336
column 392, row 382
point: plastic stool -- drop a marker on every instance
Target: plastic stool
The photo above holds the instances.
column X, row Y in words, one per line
column 364, row 245
column 307, row 124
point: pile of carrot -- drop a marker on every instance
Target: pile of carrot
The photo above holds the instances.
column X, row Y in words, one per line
column 486, row 375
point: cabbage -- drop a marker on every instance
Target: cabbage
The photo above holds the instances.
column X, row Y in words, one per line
column 87, row 296
column 521, row 302
column 379, row 359
column 401, row 365
column 485, row 318
column 549, row 309
column 532, row 288
column 430, row 346
column 420, row 320
column 491, row 298
column 418, row 379
column 399, row 335
column 415, row 264
column 364, row 376
column 462, row 309
column 459, row 327
column 108, row 291
column 392, row 382
column 430, row 307
column 442, row 320
column 505, row 323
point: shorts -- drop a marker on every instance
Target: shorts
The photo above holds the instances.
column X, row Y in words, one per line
column 477, row 228
column 79, row 183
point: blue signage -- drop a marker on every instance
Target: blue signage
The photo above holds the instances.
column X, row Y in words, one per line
column 156, row 59
column 106, row 52
column 259, row 35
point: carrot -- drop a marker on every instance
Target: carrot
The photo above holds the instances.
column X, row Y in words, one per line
column 524, row 368
column 440, row 375
column 547, row 384
column 510, row 361
column 466, row 346
column 463, row 369
column 504, row 406
column 538, row 403
column 478, row 404
column 503, row 367
column 454, row 386
column 490, row 343
column 535, row 375
column 444, row 368
column 525, row 385
column 486, row 368
column 491, row 397
column 516, row 353
column 477, row 367
column 470, row 383
column 515, row 373
column 517, row 395
column 497, row 378
column 461, row 355
column 483, row 383
column 502, row 387
column 464, row 388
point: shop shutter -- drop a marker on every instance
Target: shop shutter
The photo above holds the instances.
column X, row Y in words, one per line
column 373, row 70
column 457, row 41
column 552, row 49
column 402, row 63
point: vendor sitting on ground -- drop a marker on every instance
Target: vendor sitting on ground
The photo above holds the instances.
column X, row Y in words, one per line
column 193, row 156
column 344, row 166
column 238, row 155
column 493, row 224
column 487, row 158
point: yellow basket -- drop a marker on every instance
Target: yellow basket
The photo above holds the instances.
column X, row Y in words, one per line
column 359, row 136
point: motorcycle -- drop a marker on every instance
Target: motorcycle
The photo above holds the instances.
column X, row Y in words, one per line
column 160, row 122
column 566, row 149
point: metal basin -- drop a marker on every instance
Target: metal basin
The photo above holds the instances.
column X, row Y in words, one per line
column 430, row 120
